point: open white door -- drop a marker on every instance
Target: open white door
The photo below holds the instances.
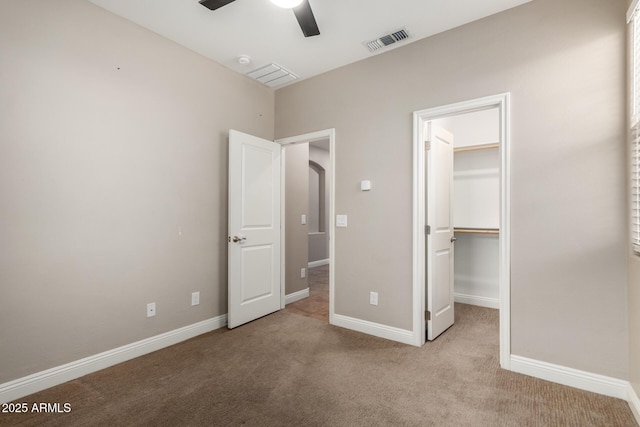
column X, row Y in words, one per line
column 440, row 239
column 254, row 228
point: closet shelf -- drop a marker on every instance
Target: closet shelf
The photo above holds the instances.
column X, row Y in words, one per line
column 477, row 230
column 476, row 147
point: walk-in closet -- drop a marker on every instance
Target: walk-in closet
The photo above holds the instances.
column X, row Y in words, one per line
column 476, row 205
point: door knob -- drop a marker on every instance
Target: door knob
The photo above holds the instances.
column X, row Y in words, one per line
column 453, row 239
column 237, row 239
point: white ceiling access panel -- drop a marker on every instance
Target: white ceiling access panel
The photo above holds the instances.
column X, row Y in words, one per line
column 272, row 75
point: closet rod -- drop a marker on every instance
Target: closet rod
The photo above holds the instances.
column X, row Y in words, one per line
column 477, row 230
column 476, row 147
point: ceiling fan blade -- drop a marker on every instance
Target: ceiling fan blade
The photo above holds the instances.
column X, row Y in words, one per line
column 305, row 18
column 215, row 4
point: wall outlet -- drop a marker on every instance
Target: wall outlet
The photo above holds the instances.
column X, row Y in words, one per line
column 195, row 298
column 373, row 298
column 151, row 309
column 303, row 273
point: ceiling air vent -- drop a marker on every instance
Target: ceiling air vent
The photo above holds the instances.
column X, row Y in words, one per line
column 272, row 75
column 387, row 40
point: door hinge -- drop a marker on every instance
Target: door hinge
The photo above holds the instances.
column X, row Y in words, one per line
column 427, row 315
column 427, row 145
column 427, row 229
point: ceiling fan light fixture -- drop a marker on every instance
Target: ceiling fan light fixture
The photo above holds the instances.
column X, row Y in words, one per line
column 287, row 4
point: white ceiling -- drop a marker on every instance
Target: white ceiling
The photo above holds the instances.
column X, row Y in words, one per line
column 267, row 33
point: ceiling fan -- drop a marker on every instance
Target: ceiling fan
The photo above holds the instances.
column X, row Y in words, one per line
column 302, row 10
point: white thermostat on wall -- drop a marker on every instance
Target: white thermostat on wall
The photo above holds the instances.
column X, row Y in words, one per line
column 365, row 185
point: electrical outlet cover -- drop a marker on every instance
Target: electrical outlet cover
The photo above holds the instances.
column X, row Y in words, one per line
column 151, row 309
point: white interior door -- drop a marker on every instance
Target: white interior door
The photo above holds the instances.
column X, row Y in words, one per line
column 254, row 228
column 440, row 238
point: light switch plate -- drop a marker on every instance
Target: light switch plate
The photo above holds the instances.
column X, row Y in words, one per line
column 341, row 220
column 195, row 298
column 373, row 298
column 303, row 219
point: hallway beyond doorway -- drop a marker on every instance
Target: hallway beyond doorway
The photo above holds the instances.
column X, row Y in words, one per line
column 316, row 305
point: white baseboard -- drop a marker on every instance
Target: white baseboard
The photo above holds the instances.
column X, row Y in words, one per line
column 296, row 296
column 596, row 383
column 25, row 386
column 376, row 329
column 477, row 300
column 318, row 263
column 634, row 403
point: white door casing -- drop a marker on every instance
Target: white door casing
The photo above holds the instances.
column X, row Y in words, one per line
column 254, row 228
column 502, row 102
column 439, row 271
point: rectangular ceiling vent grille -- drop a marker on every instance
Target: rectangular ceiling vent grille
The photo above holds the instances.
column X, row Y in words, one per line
column 272, row 75
column 386, row 40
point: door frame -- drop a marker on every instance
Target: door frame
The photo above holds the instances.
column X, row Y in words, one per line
column 329, row 134
column 502, row 102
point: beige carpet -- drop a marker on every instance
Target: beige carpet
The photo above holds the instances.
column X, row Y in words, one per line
column 291, row 370
column 317, row 304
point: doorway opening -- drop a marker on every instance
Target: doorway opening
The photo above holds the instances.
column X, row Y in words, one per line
column 493, row 222
column 476, row 205
column 308, row 218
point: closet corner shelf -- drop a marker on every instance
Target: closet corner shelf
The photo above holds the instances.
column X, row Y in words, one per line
column 476, row 147
column 476, row 230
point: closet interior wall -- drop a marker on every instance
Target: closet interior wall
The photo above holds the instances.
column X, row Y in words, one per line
column 476, row 192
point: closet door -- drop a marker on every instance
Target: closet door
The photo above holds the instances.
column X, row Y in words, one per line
column 440, row 304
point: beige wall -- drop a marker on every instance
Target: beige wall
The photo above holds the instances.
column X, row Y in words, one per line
column 112, row 141
column 319, row 242
column 564, row 64
column 296, row 204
